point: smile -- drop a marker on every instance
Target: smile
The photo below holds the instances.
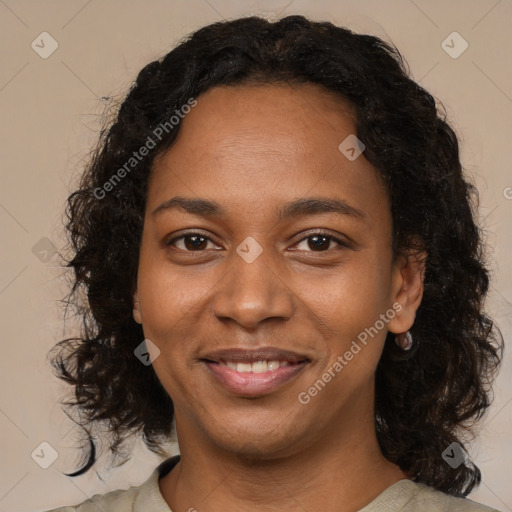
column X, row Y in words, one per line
column 253, row 379
column 256, row 367
column 253, row 372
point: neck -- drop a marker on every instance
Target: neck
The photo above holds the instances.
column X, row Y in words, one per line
column 343, row 471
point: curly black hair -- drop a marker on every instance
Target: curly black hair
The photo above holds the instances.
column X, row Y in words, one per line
column 426, row 398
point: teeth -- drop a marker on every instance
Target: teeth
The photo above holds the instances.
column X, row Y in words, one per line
column 256, row 367
column 243, row 367
column 274, row 365
column 259, row 367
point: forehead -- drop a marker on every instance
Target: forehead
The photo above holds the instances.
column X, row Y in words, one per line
column 285, row 119
column 251, row 145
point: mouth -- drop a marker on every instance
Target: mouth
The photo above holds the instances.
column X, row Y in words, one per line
column 253, row 373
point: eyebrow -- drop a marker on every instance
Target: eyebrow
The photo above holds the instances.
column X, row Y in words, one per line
column 297, row 208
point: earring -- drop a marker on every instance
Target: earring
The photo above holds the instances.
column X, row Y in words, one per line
column 404, row 340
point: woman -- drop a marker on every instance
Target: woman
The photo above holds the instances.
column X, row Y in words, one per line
column 279, row 252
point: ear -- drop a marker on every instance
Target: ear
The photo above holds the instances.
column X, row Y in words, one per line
column 407, row 289
column 136, row 308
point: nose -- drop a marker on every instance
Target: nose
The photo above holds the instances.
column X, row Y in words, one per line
column 251, row 293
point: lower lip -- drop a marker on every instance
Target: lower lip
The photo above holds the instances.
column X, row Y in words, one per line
column 254, row 384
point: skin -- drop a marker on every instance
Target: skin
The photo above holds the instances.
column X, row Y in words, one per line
column 252, row 149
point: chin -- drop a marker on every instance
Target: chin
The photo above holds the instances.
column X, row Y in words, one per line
column 259, row 441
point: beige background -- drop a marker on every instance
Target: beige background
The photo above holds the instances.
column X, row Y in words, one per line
column 51, row 109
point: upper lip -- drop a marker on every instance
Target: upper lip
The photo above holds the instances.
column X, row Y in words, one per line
column 252, row 355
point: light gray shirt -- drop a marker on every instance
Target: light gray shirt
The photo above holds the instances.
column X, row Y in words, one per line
column 403, row 496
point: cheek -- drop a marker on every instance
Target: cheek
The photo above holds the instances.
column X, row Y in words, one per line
column 349, row 310
column 168, row 306
column 168, row 296
column 172, row 301
column 353, row 297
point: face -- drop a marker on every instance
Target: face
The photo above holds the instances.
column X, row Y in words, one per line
column 265, row 255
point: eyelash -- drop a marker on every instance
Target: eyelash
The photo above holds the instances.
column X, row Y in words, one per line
column 339, row 241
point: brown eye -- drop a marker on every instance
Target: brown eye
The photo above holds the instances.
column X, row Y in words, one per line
column 193, row 242
column 190, row 242
column 319, row 242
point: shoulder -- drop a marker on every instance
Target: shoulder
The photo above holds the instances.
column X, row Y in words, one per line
column 115, row 500
column 409, row 496
column 143, row 498
column 443, row 501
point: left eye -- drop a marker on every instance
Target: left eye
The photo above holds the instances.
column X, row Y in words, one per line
column 319, row 242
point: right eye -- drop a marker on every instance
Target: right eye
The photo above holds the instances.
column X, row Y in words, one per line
column 190, row 242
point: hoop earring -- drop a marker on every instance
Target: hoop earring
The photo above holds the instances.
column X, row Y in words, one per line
column 404, row 340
